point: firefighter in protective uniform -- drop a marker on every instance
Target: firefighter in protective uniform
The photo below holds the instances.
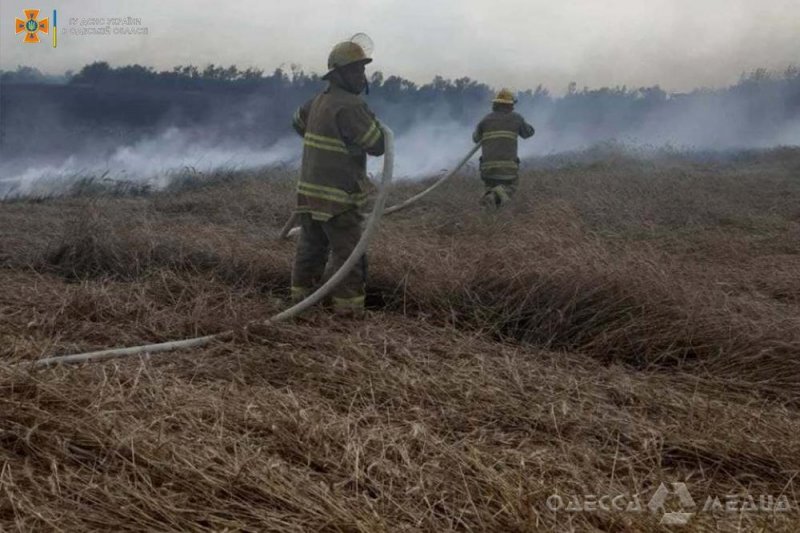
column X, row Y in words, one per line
column 499, row 165
column 338, row 131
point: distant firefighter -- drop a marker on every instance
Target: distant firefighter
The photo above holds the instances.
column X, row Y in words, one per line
column 497, row 132
column 338, row 131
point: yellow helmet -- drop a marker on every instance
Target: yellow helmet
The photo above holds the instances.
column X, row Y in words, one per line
column 345, row 53
column 505, row 96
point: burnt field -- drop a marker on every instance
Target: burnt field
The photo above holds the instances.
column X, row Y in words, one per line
column 626, row 322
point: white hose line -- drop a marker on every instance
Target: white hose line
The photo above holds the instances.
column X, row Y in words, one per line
column 361, row 247
column 288, row 231
column 419, row 196
column 316, row 296
column 124, row 352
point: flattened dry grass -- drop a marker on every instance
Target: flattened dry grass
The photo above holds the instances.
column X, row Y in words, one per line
column 605, row 334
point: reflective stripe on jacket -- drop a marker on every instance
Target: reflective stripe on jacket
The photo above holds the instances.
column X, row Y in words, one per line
column 498, row 132
column 338, row 132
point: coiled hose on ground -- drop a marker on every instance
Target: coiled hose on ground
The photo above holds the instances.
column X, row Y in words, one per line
column 361, row 247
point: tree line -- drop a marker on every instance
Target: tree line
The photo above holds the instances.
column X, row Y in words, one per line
column 256, row 105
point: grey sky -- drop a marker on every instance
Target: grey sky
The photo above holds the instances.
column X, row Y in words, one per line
column 679, row 44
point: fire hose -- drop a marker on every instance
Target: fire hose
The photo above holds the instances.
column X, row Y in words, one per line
column 361, row 247
column 289, row 231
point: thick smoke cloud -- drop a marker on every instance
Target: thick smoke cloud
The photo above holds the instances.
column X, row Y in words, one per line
column 154, row 160
column 138, row 125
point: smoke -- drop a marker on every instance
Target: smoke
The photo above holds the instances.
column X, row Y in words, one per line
column 175, row 149
column 426, row 149
column 433, row 129
column 429, row 147
column 153, row 160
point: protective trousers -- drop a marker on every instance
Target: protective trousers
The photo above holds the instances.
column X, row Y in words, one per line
column 322, row 247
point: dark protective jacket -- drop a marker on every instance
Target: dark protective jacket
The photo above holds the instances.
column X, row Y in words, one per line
column 497, row 132
column 338, row 131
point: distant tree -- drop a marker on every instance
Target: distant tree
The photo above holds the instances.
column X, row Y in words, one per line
column 95, row 73
column 252, row 74
column 249, row 103
column 25, row 74
column 572, row 88
column 541, row 92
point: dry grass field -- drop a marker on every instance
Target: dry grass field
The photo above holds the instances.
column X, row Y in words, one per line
column 624, row 323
